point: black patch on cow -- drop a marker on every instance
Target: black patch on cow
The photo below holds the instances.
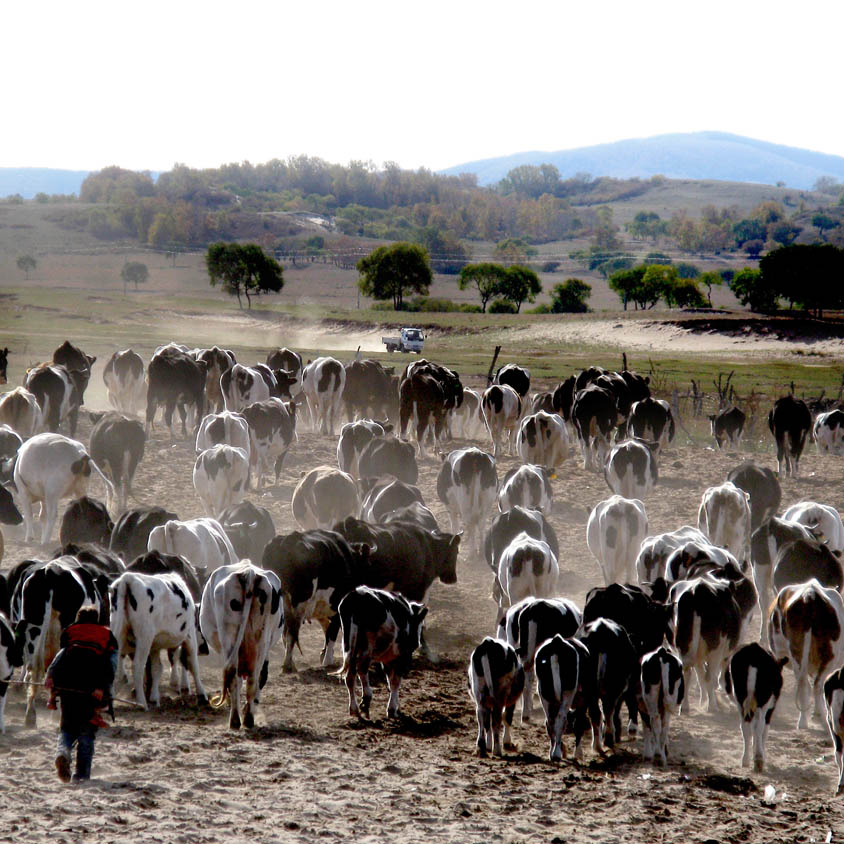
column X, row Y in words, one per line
column 236, row 605
column 133, row 603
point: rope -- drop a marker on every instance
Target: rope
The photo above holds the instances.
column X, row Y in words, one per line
column 57, row 689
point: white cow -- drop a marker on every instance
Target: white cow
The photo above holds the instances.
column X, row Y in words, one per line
column 221, row 478
column 19, row 409
column 724, row 517
column 323, row 381
column 151, row 613
column 828, row 432
column 614, row 534
column 51, row 467
column 542, row 439
column 823, row 520
column 241, row 386
column 241, row 618
column 527, row 486
column 124, row 380
column 323, row 497
column 223, row 428
column 468, row 417
column 527, row 568
column 655, row 551
column 202, row 542
column 502, row 409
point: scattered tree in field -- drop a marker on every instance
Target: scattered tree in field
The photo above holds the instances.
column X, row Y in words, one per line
column 243, row 268
column 513, row 250
column 42, row 198
column 659, row 282
column 684, row 293
column 710, row 278
column 754, row 248
column 823, row 223
column 658, row 258
column 751, row 290
column 808, row 275
column 647, row 224
column 686, row 270
column 626, row 284
column 134, row 272
column 748, row 229
column 27, row 263
column 605, row 231
column 486, row 277
column 783, row 232
column 520, row 284
column 389, row 272
column 570, row 297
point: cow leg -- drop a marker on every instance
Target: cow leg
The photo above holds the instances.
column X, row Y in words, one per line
column 817, row 686
column 555, row 722
column 366, row 688
column 169, row 407
column 332, row 631
column 25, row 503
column 594, row 713
column 662, row 738
column 155, row 672
column 527, row 695
column 189, row 650
column 647, row 737
column 252, row 686
column 394, row 680
column 580, row 723
column 30, row 719
column 612, row 719
column 632, row 712
column 803, row 698
column 231, row 686
column 421, row 431
column 49, row 516
column 483, row 716
column 496, row 716
column 183, row 415
column 139, row 662
column 509, row 744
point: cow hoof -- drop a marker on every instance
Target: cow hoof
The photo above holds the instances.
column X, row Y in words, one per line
column 234, row 723
column 248, row 721
column 759, row 766
column 29, row 721
column 288, row 669
column 482, row 754
column 510, row 746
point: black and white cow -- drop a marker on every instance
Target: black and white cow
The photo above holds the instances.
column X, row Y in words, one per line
column 323, row 497
column 824, row 522
column 803, row 559
column 416, row 514
column 517, row 377
column 806, row 627
column 507, row 526
column 496, row 682
column 468, row 415
column 202, row 542
column 272, row 430
column 20, row 410
column 828, row 432
column 151, row 613
column 316, row 568
column 651, row 419
column 241, row 386
column 4, row 363
column 724, row 518
column 86, row 520
column 241, row 619
column 249, row 528
column 527, row 568
column 124, row 380
column 502, row 409
column 175, row 379
column 381, row 627
column 594, row 415
column 79, row 365
column 833, row 690
column 614, row 533
column 467, row 484
column 354, row 437
column 663, row 690
column 761, row 484
column 217, row 361
column 557, row 678
column 562, row 399
column 323, row 382
column 223, row 428
column 11, row 657
column 631, row 469
column 9, row 513
column 790, row 421
column 542, row 439
column 384, row 495
column 655, row 551
column 389, row 455
column 57, row 392
column 424, row 401
column 221, row 478
column 754, row 679
column 290, row 361
column 727, row 427
column 117, row 445
column 130, row 536
column 51, row 467
column 528, row 486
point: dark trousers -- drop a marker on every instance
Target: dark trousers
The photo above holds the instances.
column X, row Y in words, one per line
column 83, row 738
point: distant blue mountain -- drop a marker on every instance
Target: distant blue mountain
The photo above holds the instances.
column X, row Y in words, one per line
column 696, row 155
column 27, row 181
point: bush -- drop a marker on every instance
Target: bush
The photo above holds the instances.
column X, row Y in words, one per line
column 544, row 308
column 549, row 267
column 502, row 306
column 570, row 297
column 429, row 304
column 686, row 270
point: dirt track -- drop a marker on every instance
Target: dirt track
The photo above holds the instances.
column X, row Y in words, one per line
column 310, row 772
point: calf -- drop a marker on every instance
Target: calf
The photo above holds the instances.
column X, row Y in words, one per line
column 389, row 456
column 789, row 420
column 557, row 679
column 727, row 427
column 724, row 517
column 542, row 439
column 754, row 679
column 631, row 469
column 175, row 379
column 323, row 381
column 153, row 613
column 86, row 520
column 323, row 497
column 496, row 682
column 594, row 415
column 124, row 380
column 242, row 386
column 663, row 690
column 527, row 568
column 805, row 627
column 655, row 551
column 20, row 410
column 502, row 409
column 130, row 535
column 117, row 444
column 651, row 419
column 528, row 624
column 822, row 520
column 833, row 690
column 614, row 532
column 467, row 484
column 11, row 658
column 241, row 619
column 803, row 559
column 272, row 430
column 527, row 486
column 386, row 495
column 381, row 627
column 249, row 528
column 828, row 432
column 217, row 361
column 221, row 478
column 354, row 437
column 202, row 542
column 223, row 428
column 762, row 486
column 51, row 467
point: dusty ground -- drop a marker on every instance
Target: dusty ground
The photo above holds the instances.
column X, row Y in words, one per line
column 309, row 772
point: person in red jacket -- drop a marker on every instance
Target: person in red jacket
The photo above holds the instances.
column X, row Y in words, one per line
column 81, row 676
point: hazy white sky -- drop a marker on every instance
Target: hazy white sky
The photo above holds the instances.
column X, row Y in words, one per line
column 145, row 85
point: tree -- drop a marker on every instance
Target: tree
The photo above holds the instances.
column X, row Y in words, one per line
column 823, row 222
column 389, row 272
column 626, row 284
column 754, row 248
column 659, row 282
column 605, row 231
column 710, row 278
column 520, row 284
column 686, row 270
column 750, row 290
column 686, row 294
column 134, row 272
column 748, row 229
column 487, row 277
column 570, row 297
column 27, row 263
column 783, row 232
column 809, row 275
column 647, row 224
column 243, row 268
column 512, row 250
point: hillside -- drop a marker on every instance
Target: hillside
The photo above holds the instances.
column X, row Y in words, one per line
column 697, row 155
column 28, row 181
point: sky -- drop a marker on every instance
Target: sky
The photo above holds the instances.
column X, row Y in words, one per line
column 434, row 84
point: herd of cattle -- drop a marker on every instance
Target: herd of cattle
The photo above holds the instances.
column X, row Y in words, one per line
column 368, row 549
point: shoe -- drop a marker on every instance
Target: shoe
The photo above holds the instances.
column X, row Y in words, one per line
column 63, row 768
column 98, row 721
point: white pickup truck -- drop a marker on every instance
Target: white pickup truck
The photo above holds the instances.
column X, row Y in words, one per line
column 409, row 340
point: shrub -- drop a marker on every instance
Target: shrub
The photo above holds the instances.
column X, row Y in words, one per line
column 502, row 306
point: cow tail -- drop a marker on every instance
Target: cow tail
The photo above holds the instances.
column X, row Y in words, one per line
column 125, row 480
column 748, row 705
column 555, row 674
column 120, row 613
column 108, row 484
column 487, row 674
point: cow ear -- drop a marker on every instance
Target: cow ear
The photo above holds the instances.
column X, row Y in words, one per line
column 782, row 662
column 420, row 611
